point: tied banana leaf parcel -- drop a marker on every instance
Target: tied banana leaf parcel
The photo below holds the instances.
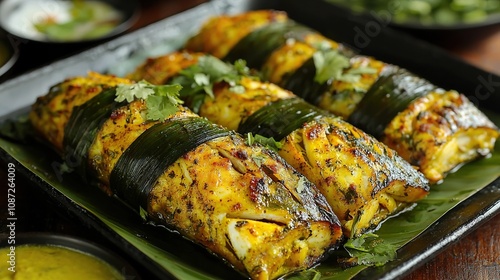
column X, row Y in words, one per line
column 182, row 259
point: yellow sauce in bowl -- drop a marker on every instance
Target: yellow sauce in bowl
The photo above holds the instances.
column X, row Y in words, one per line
column 49, row 262
column 61, row 21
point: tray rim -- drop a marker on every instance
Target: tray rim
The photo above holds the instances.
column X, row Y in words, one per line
column 92, row 221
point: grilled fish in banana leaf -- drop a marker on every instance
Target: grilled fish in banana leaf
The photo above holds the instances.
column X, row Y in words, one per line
column 434, row 129
column 363, row 180
column 243, row 203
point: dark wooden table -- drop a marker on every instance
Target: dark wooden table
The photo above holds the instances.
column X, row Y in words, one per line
column 477, row 256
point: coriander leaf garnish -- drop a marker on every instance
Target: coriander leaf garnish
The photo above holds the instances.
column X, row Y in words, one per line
column 198, row 80
column 269, row 143
column 330, row 64
column 161, row 101
column 370, row 249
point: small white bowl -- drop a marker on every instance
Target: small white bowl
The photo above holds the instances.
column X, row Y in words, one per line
column 17, row 17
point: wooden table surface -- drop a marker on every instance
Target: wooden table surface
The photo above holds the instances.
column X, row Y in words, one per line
column 477, row 256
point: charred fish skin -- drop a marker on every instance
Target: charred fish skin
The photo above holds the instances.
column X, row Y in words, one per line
column 242, row 203
column 362, row 179
column 355, row 79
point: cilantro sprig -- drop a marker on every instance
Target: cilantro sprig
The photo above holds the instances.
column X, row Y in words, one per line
column 198, row 80
column 161, row 101
column 331, row 64
column 370, row 249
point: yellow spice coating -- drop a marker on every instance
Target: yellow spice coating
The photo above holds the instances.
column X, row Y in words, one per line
column 241, row 213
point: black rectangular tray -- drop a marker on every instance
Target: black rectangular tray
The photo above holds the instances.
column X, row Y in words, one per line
column 123, row 54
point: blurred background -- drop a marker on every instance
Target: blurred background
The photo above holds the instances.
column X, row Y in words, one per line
column 469, row 29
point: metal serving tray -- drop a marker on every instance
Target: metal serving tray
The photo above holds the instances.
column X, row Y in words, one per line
column 167, row 255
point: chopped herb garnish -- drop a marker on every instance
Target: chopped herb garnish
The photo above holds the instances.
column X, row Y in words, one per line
column 161, row 101
column 269, row 143
column 370, row 249
column 198, row 80
column 330, row 64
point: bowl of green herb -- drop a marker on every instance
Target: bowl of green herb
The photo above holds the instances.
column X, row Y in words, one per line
column 67, row 21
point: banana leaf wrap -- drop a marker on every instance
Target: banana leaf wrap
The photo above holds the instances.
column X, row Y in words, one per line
column 280, row 118
column 364, row 181
column 425, row 135
column 159, row 146
column 242, row 203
